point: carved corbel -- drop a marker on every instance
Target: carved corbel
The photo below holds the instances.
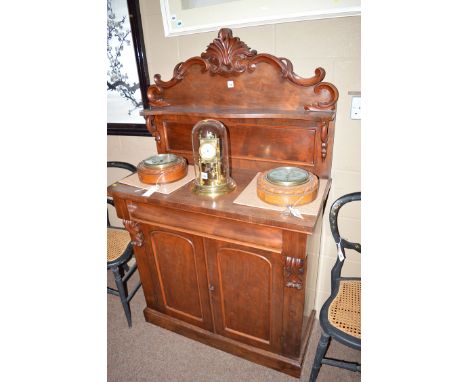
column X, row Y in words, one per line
column 135, row 233
column 293, row 272
column 324, row 139
column 150, row 126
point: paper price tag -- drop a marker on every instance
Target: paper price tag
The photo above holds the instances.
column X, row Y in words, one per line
column 150, row 191
column 295, row 212
column 340, row 253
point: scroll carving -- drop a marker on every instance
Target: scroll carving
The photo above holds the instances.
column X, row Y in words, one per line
column 228, row 56
column 155, row 92
column 286, row 68
column 135, row 233
column 329, row 96
column 293, row 272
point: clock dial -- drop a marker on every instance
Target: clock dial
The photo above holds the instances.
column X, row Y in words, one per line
column 207, row 151
column 160, row 160
column 288, row 176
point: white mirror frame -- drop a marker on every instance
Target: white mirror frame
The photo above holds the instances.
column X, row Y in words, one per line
column 244, row 19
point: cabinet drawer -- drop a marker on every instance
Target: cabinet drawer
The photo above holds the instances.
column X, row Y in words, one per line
column 254, row 235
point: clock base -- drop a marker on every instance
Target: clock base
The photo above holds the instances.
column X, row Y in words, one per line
column 213, row 191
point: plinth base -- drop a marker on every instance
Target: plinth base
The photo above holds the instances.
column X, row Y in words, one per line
column 262, row 357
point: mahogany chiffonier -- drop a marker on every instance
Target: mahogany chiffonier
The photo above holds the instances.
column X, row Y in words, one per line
column 235, row 277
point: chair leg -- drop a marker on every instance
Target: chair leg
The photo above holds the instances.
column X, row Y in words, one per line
column 319, row 354
column 122, row 294
column 122, row 274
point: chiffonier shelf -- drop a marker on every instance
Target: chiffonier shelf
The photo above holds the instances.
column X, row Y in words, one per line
column 236, row 277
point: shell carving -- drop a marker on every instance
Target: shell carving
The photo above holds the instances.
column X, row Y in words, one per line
column 226, row 53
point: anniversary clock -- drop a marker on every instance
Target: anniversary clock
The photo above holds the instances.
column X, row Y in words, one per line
column 162, row 168
column 287, row 186
column 211, row 159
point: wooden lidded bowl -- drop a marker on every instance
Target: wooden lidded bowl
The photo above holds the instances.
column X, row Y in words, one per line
column 162, row 168
column 287, row 186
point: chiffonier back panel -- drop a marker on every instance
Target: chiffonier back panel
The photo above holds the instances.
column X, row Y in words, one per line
column 273, row 116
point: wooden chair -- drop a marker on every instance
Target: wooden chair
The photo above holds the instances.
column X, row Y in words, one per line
column 119, row 252
column 340, row 316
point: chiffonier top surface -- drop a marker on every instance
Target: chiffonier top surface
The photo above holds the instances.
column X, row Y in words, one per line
column 222, row 206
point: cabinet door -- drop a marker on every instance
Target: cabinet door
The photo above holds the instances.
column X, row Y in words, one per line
column 247, row 293
column 182, row 285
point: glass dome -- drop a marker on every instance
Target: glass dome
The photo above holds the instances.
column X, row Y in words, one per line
column 211, row 158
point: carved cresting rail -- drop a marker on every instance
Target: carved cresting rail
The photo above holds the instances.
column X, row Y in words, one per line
column 229, row 56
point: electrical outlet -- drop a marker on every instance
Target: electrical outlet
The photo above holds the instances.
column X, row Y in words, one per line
column 230, row 84
column 356, row 108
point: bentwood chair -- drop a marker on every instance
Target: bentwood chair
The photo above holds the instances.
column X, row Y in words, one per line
column 119, row 252
column 340, row 316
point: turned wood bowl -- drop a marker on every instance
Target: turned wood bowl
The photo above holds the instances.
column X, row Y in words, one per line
column 287, row 195
column 162, row 168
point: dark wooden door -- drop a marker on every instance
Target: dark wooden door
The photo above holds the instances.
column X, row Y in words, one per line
column 246, row 292
column 180, row 268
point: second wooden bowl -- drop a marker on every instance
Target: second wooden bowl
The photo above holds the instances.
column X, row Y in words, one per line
column 280, row 195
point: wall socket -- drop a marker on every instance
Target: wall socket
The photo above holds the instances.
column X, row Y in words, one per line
column 356, row 107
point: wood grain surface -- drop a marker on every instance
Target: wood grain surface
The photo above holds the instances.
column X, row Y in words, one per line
column 230, row 275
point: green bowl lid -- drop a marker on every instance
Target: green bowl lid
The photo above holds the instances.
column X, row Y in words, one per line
column 288, row 176
column 160, row 160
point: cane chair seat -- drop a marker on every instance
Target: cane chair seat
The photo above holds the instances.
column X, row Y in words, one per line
column 117, row 243
column 119, row 254
column 344, row 312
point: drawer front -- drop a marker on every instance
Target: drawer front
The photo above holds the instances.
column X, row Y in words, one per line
column 253, row 235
